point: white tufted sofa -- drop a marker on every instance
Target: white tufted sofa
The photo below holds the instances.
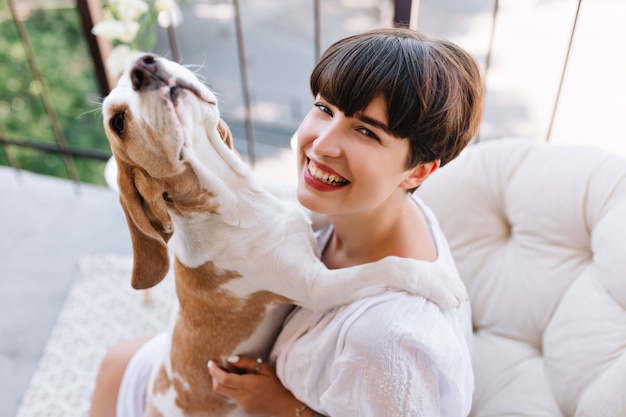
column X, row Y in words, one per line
column 539, row 235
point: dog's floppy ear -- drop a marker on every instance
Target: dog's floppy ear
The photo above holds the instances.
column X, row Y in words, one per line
column 224, row 131
column 149, row 225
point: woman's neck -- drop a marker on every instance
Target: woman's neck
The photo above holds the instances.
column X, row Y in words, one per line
column 368, row 237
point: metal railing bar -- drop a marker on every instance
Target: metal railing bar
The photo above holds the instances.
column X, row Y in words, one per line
column 243, row 65
column 317, row 29
column 52, row 118
column 66, row 151
column 8, row 152
column 94, row 49
column 492, row 36
column 565, row 63
column 173, row 41
column 402, row 13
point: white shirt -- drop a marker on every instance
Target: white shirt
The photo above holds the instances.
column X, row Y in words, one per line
column 393, row 354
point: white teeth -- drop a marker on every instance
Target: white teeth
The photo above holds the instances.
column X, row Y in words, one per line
column 320, row 175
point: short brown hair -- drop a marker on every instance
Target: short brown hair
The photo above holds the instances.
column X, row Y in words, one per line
column 432, row 87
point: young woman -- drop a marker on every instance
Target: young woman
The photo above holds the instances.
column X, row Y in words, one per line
column 391, row 106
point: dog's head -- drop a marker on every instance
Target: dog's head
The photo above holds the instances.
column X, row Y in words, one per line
column 152, row 119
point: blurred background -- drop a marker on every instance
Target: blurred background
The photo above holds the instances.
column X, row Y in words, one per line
column 554, row 71
column 554, row 68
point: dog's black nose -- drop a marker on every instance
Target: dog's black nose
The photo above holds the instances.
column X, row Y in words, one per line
column 146, row 73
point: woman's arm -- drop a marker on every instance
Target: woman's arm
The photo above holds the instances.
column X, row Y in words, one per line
column 258, row 391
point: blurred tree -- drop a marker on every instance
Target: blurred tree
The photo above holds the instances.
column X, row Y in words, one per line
column 63, row 59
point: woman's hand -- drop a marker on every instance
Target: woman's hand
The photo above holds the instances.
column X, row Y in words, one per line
column 256, row 390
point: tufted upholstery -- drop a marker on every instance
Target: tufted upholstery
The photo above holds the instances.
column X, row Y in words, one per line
column 539, row 235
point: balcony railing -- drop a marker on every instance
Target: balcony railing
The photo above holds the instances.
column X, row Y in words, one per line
column 62, row 144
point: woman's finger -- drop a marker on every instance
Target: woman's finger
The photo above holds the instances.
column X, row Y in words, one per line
column 247, row 364
column 254, row 386
column 223, row 378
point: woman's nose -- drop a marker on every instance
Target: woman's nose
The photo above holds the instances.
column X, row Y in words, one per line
column 328, row 141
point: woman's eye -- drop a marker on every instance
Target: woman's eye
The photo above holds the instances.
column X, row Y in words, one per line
column 323, row 108
column 117, row 123
column 368, row 133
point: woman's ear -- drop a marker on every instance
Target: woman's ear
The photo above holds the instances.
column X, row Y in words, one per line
column 419, row 173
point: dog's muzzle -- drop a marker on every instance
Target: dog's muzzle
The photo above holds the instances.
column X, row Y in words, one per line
column 150, row 73
column 147, row 73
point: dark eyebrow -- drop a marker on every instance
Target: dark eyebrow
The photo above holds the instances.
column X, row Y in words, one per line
column 374, row 122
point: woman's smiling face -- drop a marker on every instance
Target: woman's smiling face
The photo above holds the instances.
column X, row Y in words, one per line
column 349, row 164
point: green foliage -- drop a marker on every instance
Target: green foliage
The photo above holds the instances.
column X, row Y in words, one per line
column 63, row 58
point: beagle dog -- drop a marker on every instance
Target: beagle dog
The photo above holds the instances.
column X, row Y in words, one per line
column 241, row 254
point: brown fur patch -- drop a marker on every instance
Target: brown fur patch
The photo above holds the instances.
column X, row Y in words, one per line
column 161, row 383
column 183, row 193
column 224, row 131
column 211, row 324
column 150, row 411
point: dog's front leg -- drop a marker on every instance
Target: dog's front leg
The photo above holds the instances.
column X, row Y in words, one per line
column 431, row 280
column 287, row 192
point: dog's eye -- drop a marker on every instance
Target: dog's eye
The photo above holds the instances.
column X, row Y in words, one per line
column 117, row 123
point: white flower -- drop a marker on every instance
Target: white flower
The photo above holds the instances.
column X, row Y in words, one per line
column 120, row 58
column 123, row 17
column 165, row 5
column 116, row 30
column 168, row 13
column 128, row 10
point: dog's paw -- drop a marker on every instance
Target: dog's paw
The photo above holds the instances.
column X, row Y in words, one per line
column 457, row 288
column 451, row 293
column 432, row 280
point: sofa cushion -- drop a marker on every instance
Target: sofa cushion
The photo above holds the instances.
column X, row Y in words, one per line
column 539, row 235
